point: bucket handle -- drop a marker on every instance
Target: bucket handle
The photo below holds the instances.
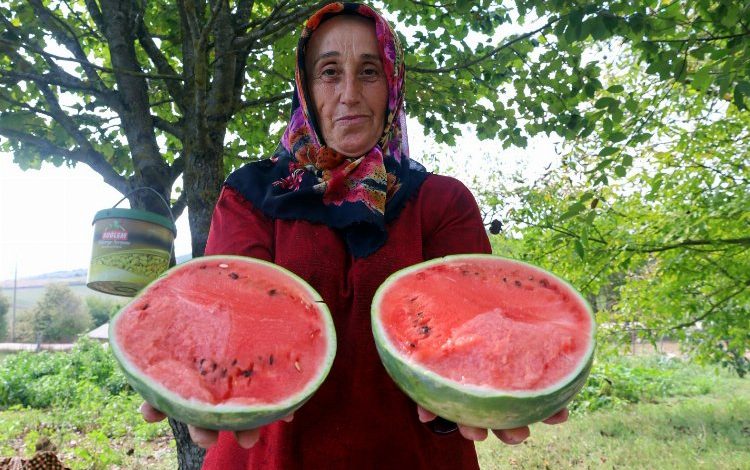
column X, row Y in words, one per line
column 169, row 208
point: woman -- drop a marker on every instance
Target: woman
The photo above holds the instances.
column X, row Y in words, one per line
column 341, row 204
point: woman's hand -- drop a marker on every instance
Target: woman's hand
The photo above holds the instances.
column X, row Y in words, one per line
column 207, row 437
column 509, row 436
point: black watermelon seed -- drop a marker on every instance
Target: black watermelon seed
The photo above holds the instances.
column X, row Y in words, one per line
column 272, row 292
column 213, row 366
column 234, row 362
column 204, row 372
column 425, row 330
column 247, row 373
column 517, row 283
column 270, row 359
column 544, row 283
column 234, row 275
column 412, row 345
column 505, row 279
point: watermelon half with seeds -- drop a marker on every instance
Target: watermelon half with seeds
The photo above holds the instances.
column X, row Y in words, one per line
column 483, row 340
column 225, row 342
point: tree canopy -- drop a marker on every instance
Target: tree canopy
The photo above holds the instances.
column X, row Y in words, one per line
column 58, row 316
column 153, row 93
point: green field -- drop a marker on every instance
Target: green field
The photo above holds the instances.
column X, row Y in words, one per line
column 635, row 413
column 708, row 431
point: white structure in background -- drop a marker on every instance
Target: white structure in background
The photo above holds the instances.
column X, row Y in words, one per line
column 100, row 333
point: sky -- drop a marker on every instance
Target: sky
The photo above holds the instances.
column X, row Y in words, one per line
column 46, row 215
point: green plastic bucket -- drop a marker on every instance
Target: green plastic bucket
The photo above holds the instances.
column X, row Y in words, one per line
column 131, row 248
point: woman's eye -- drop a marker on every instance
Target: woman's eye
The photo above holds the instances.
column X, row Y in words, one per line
column 371, row 72
column 329, row 72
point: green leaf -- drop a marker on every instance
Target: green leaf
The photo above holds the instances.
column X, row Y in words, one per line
column 605, row 102
column 741, row 90
column 620, row 171
column 598, row 29
column 616, row 89
column 627, row 160
column 702, row 78
column 573, row 210
column 607, row 151
column 580, row 251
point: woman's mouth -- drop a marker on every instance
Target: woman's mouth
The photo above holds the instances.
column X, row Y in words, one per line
column 351, row 118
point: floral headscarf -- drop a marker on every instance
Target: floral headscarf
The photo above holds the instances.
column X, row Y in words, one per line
column 305, row 179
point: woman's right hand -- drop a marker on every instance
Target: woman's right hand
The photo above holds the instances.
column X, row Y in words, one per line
column 207, row 437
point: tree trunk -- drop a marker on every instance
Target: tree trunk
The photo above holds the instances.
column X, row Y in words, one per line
column 189, row 455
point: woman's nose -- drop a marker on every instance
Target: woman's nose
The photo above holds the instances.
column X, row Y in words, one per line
column 351, row 90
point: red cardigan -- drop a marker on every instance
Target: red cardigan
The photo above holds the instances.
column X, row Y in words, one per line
column 358, row 419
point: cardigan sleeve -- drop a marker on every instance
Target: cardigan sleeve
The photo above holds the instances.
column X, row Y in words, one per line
column 453, row 224
column 238, row 228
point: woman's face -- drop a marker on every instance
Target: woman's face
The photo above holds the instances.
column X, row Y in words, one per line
column 347, row 84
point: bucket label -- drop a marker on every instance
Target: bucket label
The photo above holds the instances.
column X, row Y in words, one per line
column 114, row 234
column 127, row 254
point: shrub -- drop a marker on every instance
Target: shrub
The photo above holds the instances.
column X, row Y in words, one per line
column 44, row 379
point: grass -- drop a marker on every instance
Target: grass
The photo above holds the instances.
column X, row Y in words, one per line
column 109, row 435
column 634, row 413
column 702, row 431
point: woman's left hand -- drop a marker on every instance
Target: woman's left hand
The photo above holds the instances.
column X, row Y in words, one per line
column 509, row 436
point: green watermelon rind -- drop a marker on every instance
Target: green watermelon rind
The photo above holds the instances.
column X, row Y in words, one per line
column 229, row 417
column 474, row 405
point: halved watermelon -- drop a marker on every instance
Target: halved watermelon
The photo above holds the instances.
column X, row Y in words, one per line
column 483, row 340
column 225, row 342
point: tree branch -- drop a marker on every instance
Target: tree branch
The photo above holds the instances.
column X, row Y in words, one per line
column 702, row 39
column 486, row 55
column 744, row 241
column 203, row 39
column 96, row 14
column 263, row 101
column 283, row 25
column 173, row 128
column 178, row 166
column 20, row 104
column 176, row 91
column 64, row 34
column 188, row 10
column 711, row 310
column 179, row 205
column 67, row 81
column 93, row 159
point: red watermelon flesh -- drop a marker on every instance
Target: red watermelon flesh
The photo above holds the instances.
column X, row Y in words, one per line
column 484, row 322
column 226, row 332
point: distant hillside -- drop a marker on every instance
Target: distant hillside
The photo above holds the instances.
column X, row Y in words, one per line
column 72, row 277
column 30, row 289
